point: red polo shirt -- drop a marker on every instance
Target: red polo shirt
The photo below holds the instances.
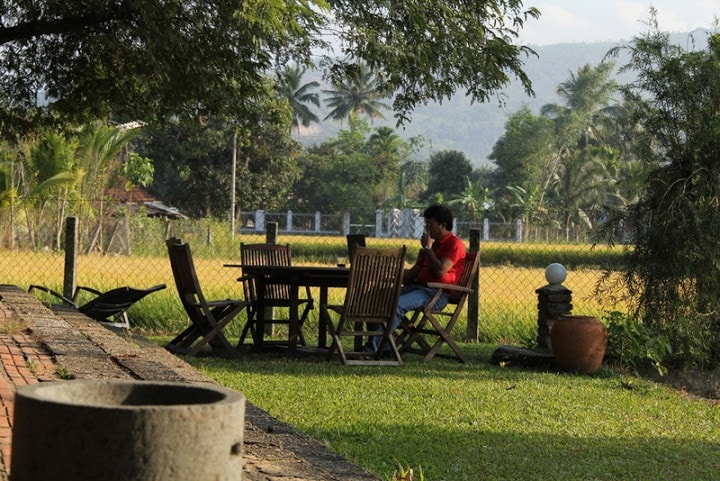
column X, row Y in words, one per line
column 449, row 247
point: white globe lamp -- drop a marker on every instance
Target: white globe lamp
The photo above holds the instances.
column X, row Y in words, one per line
column 555, row 273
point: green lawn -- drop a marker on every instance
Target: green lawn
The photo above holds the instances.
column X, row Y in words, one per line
column 483, row 422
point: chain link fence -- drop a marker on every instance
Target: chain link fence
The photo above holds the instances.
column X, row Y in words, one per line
column 129, row 249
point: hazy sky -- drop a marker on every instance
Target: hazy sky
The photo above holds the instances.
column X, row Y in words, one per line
column 612, row 20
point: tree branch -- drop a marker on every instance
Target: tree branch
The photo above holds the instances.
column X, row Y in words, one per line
column 72, row 24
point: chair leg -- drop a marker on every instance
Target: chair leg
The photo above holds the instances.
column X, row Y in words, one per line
column 176, row 343
column 217, row 340
column 249, row 327
column 416, row 336
column 444, row 337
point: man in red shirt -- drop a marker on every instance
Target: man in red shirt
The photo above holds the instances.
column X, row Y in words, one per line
column 441, row 259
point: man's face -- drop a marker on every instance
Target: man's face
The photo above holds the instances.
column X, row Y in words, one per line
column 433, row 228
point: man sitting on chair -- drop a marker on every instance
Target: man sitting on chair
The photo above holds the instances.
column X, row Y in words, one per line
column 441, row 259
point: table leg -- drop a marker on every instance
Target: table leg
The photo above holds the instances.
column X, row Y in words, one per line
column 322, row 324
column 293, row 318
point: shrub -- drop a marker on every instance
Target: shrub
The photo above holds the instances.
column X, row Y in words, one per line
column 632, row 343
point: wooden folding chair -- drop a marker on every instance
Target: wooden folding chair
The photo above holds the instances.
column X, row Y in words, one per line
column 109, row 307
column 370, row 301
column 207, row 318
column 275, row 295
column 425, row 328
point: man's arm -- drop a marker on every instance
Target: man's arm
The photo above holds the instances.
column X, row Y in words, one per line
column 409, row 275
column 439, row 267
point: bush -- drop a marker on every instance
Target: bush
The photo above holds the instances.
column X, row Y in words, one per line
column 632, row 343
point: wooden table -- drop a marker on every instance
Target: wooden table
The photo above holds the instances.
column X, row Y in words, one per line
column 296, row 277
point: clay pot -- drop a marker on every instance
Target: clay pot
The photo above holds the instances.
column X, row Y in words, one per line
column 578, row 343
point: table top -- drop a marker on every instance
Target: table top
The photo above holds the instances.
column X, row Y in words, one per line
column 321, row 276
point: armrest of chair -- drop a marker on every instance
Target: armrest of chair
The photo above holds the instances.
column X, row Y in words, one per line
column 225, row 302
column 54, row 293
column 449, row 287
column 85, row 288
column 442, row 287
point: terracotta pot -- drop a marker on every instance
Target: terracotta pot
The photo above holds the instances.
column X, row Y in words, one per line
column 578, row 343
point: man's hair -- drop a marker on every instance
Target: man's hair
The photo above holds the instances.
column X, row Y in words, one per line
column 441, row 214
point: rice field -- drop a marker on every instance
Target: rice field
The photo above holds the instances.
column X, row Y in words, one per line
column 507, row 297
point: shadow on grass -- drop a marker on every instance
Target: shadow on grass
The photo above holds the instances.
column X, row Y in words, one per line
column 471, row 455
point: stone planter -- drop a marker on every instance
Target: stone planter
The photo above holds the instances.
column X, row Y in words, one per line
column 578, row 343
column 130, row 431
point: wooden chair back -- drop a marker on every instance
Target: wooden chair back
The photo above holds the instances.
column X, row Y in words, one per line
column 186, row 280
column 374, row 284
column 370, row 305
column 471, row 263
column 274, row 295
column 267, row 255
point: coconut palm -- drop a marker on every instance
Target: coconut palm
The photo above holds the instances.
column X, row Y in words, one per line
column 98, row 158
column 299, row 96
column 587, row 106
column 358, row 92
column 581, row 173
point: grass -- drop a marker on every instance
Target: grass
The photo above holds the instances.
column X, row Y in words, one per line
column 483, row 422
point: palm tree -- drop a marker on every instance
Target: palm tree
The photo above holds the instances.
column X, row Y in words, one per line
column 582, row 185
column 98, row 157
column 358, row 92
column 580, row 172
column 587, row 106
column 388, row 151
column 299, row 96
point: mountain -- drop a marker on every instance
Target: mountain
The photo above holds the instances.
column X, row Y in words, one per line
column 475, row 128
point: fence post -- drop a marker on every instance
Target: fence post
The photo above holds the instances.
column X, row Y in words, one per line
column 519, row 230
column 289, row 221
column 473, row 331
column 486, row 230
column 317, row 221
column 346, row 223
column 259, row 220
column 271, row 233
column 379, row 223
column 71, row 238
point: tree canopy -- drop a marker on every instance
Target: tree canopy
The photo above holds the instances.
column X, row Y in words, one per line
column 144, row 59
column 159, row 59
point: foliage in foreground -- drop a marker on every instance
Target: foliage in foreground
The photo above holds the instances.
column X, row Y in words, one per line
column 476, row 421
column 209, row 56
column 673, row 271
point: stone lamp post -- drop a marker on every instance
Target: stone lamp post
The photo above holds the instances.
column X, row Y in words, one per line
column 554, row 301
